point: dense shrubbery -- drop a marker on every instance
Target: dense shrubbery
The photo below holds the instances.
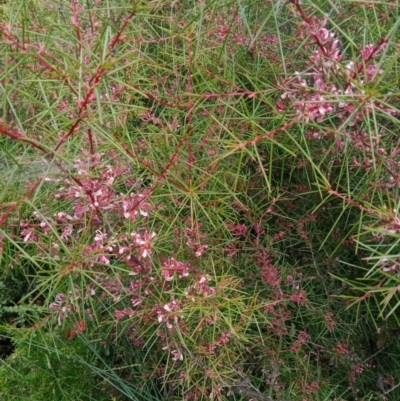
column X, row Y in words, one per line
column 199, row 200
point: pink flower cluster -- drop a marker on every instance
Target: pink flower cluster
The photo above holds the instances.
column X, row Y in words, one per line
column 269, row 273
column 94, row 203
column 302, row 339
column 299, row 298
column 329, row 89
column 169, row 314
column 201, row 287
column 93, row 191
column 172, row 267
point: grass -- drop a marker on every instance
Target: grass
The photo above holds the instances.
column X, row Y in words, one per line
column 200, row 200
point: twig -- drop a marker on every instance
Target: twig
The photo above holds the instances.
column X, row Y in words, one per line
column 391, row 389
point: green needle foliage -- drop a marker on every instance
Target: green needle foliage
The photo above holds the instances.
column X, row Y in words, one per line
column 199, row 200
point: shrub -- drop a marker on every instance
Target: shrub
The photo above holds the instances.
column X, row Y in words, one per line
column 201, row 189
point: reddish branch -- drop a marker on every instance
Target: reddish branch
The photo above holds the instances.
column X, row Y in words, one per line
column 82, row 110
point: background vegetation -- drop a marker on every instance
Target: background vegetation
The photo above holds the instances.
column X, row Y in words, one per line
column 199, row 200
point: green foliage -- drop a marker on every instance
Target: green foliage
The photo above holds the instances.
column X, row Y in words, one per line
column 48, row 366
column 199, row 200
column 45, row 368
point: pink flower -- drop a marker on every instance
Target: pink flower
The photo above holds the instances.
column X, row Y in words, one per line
column 100, row 237
column 173, row 315
column 171, row 267
column 177, row 355
column 302, row 339
column 299, row 298
column 29, row 235
column 144, row 242
column 119, row 314
column 330, row 323
column 341, row 349
column 367, row 52
column 237, row 229
column 269, row 273
column 197, row 249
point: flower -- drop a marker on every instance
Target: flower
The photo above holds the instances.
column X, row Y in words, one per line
column 171, row 267
column 144, row 242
